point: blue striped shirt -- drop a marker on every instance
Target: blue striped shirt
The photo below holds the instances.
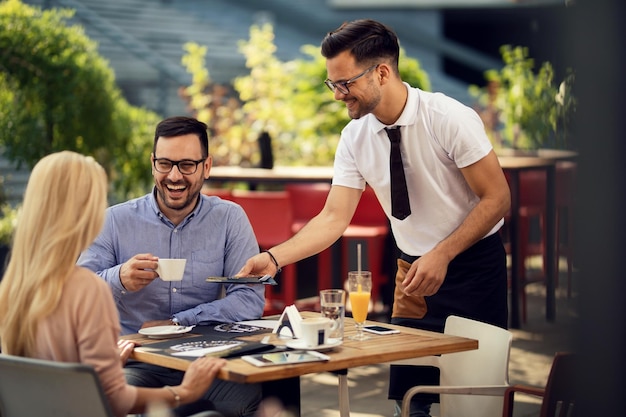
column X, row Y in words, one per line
column 216, row 239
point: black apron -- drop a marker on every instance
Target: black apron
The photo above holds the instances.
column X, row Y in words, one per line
column 475, row 287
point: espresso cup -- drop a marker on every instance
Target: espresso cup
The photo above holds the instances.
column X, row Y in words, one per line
column 171, row 269
column 315, row 331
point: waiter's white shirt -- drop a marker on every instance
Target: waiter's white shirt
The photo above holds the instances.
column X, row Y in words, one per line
column 439, row 136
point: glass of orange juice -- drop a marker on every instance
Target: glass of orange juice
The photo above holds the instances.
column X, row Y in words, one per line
column 359, row 289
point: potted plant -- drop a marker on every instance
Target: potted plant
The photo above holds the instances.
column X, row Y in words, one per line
column 523, row 109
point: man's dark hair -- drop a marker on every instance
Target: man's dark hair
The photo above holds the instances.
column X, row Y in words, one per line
column 367, row 40
column 181, row 125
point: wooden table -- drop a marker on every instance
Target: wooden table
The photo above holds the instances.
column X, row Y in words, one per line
column 410, row 343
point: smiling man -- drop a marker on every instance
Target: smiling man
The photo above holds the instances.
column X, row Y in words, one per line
column 176, row 220
column 429, row 161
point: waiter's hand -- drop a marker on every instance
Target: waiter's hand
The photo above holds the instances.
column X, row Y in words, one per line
column 260, row 264
column 426, row 274
column 139, row 271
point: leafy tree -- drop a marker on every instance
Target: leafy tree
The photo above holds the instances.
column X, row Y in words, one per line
column 524, row 109
column 57, row 93
column 288, row 100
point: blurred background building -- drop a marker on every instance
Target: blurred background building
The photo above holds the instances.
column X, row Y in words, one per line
column 455, row 41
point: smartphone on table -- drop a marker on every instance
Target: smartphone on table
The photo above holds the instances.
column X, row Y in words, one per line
column 285, row 358
column 376, row 329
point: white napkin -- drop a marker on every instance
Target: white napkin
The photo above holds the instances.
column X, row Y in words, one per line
column 269, row 324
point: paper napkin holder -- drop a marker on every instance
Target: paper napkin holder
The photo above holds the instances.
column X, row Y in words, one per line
column 289, row 323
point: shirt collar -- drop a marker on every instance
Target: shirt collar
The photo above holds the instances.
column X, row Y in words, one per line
column 157, row 211
column 408, row 116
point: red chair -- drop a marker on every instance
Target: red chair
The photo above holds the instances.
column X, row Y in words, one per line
column 271, row 219
column 223, row 193
column 370, row 225
column 307, row 200
column 532, row 208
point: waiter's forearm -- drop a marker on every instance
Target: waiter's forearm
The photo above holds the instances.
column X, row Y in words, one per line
column 476, row 225
column 322, row 230
column 318, row 234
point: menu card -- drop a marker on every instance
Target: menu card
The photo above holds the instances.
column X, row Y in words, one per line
column 215, row 339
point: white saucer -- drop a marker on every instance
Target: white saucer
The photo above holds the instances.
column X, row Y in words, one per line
column 299, row 344
column 165, row 332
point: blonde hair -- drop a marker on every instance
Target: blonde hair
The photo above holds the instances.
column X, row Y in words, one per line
column 62, row 213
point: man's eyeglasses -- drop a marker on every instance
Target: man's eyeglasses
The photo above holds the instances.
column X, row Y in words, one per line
column 342, row 86
column 185, row 166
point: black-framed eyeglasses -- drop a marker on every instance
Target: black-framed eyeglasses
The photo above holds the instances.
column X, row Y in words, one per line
column 342, row 86
column 185, row 166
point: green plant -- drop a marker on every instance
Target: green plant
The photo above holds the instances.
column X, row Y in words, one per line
column 8, row 221
column 523, row 109
column 288, row 100
column 57, row 93
column 62, row 90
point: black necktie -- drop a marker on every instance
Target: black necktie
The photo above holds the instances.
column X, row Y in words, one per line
column 400, row 207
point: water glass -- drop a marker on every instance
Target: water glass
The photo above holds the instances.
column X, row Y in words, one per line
column 333, row 306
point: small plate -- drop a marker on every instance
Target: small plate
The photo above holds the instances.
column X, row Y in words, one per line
column 165, row 332
column 299, row 344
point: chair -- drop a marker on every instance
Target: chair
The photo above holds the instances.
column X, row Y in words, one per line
column 472, row 383
column 307, row 200
column 223, row 193
column 271, row 218
column 558, row 394
column 37, row 387
column 34, row 387
column 533, row 208
column 370, row 225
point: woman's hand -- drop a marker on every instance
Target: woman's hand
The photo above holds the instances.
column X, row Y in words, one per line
column 125, row 348
column 198, row 377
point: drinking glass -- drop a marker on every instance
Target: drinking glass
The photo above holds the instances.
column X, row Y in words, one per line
column 359, row 288
column 333, row 306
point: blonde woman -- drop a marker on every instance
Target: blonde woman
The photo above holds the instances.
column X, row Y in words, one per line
column 50, row 308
